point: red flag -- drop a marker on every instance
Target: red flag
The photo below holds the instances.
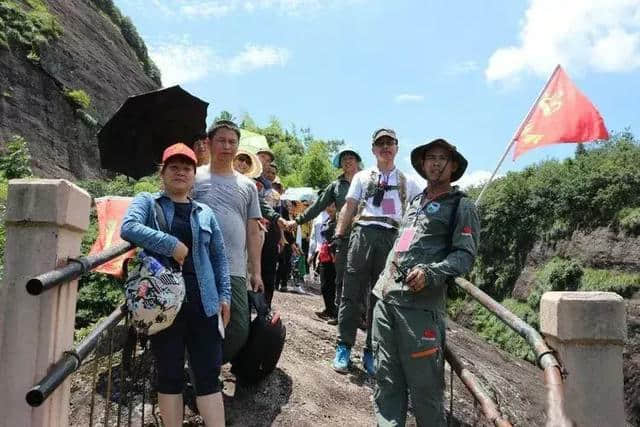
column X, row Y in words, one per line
column 111, row 210
column 562, row 114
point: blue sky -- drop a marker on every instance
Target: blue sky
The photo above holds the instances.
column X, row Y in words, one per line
column 466, row 71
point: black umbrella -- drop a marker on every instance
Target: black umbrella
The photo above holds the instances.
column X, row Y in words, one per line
column 133, row 140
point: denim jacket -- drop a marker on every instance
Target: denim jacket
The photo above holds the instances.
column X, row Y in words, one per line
column 210, row 263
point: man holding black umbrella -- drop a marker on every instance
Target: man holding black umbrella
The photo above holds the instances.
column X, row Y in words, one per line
column 234, row 200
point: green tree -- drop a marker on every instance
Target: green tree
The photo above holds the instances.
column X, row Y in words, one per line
column 225, row 115
column 316, row 170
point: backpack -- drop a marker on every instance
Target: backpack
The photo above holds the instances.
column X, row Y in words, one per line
column 260, row 355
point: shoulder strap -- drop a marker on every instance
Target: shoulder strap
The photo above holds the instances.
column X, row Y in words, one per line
column 452, row 220
column 402, row 191
column 161, row 220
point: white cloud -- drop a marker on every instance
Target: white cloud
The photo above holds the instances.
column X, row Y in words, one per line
column 406, row 98
column 599, row 35
column 254, row 57
column 464, row 67
column 477, row 177
column 182, row 62
column 206, row 9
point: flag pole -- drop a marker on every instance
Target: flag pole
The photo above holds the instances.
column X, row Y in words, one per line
column 517, row 132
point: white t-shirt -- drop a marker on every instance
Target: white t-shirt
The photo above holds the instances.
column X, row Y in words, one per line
column 390, row 206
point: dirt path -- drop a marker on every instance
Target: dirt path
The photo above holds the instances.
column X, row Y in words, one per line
column 304, row 389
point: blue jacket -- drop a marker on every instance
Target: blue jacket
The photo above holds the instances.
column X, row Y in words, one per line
column 209, row 261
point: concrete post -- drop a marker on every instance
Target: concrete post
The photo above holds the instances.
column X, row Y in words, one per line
column 588, row 330
column 45, row 220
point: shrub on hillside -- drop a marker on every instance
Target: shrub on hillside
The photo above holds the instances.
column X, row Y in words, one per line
column 78, row 98
column 624, row 284
column 492, row 329
column 15, row 162
column 629, row 220
column 27, row 26
column 556, row 275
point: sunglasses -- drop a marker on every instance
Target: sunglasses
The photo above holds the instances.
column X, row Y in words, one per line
column 382, row 143
column 245, row 159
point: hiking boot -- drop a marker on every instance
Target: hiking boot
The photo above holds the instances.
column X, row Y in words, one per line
column 343, row 359
column 367, row 362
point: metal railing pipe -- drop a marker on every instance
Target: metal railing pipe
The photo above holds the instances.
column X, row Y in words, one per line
column 545, row 357
column 75, row 268
column 71, row 360
column 489, row 407
column 522, row 328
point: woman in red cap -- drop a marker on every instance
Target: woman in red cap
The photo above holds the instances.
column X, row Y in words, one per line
column 195, row 242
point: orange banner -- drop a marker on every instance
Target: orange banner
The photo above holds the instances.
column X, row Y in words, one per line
column 562, row 114
column 111, row 210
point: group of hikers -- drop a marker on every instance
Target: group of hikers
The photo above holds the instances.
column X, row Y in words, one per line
column 385, row 249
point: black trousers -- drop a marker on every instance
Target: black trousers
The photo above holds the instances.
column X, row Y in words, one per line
column 328, row 287
column 284, row 268
column 196, row 332
column 269, row 260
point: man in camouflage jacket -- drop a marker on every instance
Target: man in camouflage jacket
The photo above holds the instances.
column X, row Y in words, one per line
column 437, row 240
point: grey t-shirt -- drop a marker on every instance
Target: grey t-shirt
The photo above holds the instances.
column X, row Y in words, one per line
column 234, row 200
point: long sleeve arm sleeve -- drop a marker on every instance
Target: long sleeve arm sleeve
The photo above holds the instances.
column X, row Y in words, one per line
column 135, row 230
column 325, row 199
column 220, row 263
column 465, row 241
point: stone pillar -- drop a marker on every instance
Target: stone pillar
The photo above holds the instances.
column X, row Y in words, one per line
column 45, row 220
column 588, row 330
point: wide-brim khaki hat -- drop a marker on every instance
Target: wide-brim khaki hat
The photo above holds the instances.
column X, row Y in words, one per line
column 256, row 167
column 417, row 157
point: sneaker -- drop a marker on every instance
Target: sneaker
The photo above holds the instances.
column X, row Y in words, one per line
column 332, row 321
column 367, row 362
column 343, row 359
column 299, row 290
column 283, row 289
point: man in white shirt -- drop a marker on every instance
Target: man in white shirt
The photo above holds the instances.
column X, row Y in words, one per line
column 376, row 201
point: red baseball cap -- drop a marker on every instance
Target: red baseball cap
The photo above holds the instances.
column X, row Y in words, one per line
column 179, row 149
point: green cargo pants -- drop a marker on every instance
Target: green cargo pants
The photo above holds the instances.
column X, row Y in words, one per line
column 408, row 346
column 368, row 249
column 237, row 331
column 340, row 265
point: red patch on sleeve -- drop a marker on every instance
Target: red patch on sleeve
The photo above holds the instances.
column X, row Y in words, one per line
column 467, row 230
column 429, row 333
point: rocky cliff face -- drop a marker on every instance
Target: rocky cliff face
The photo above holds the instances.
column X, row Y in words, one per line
column 90, row 55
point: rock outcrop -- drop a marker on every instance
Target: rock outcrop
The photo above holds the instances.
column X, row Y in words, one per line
column 90, row 55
